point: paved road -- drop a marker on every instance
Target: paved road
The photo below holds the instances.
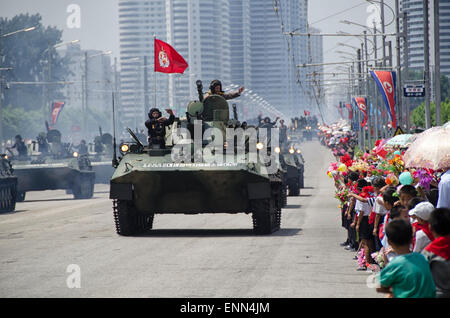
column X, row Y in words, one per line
column 185, row 256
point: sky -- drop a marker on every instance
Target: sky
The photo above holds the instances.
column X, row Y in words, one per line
column 98, row 27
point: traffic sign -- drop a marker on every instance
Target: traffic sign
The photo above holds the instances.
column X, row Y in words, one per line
column 414, row 90
column 398, row 131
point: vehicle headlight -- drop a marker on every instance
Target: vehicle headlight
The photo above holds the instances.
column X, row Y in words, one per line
column 260, row 146
column 289, row 138
column 299, row 151
column 291, row 150
column 277, row 149
column 75, row 154
column 124, row 148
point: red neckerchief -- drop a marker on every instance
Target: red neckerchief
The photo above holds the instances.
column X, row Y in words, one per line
column 440, row 247
column 424, row 228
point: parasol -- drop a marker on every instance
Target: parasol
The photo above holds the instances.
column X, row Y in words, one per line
column 400, row 140
column 431, row 149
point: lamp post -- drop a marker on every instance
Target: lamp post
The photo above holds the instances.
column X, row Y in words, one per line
column 45, row 87
column 1, row 85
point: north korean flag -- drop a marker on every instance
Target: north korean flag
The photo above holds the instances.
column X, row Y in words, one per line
column 167, row 59
column 362, row 106
column 57, row 108
column 386, row 82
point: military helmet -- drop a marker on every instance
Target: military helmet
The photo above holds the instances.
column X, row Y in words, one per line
column 215, row 83
column 154, row 110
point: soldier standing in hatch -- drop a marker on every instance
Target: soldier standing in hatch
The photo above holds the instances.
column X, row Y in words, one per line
column 283, row 132
column 156, row 125
column 20, row 147
column 216, row 89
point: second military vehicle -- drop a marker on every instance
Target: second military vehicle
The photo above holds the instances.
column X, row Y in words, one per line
column 52, row 165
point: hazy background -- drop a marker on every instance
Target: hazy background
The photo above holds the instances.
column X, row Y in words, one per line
column 99, row 27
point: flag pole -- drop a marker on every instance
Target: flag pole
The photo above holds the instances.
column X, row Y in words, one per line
column 154, row 67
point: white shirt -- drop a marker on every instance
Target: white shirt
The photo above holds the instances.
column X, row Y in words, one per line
column 362, row 207
column 444, row 191
column 378, row 207
column 422, row 241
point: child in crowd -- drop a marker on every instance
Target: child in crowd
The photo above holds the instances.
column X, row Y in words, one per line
column 398, row 212
column 406, row 193
column 408, row 275
column 390, row 198
column 378, row 209
column 438, row 252
column 350, row 215
column 363, row 209
column 422, row 235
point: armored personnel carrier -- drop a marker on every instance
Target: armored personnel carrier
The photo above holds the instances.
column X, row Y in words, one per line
column 8, row 185
column 293, row 167
column 186, row 176
column 300, row 162
column 52, row 165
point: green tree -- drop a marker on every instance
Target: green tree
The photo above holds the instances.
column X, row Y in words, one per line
column 418, row 114
column 16, row 121
column 28, row 53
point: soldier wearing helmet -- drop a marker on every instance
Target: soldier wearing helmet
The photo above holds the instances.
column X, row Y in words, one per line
column 156, row 126
column 216, row 89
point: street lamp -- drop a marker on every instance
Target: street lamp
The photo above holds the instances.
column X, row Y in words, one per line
column 19, row 31
column 45, row 88
column 1, row 94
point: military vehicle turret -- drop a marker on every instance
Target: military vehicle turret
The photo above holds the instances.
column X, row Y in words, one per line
column 199, row 175
column 52, row 165
column 8, row 185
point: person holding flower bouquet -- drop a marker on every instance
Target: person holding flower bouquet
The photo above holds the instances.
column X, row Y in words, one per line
column 363, row 208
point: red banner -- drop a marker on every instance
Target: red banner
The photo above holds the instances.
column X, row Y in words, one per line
column 57, row 108
column 350, row 112
column 307, row 113
column 167, row 60
column 362, row 106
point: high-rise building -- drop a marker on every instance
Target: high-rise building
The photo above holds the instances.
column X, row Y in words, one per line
column 189, row 28
column 200, row 31
column 415, row 35
column 315, row 73
column 240, row 30
column 274, row 56
column 139, row 22
column 236, row 41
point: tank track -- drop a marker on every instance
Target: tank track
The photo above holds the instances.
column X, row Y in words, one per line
column 266, row 216
column 128, row 221
column 8, row 194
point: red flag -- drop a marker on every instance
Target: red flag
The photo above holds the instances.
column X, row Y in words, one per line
column 307, row 113
column 57, row 108
column 361, row 103
column 350, row 113
column 167, row 60
column 386, row 84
